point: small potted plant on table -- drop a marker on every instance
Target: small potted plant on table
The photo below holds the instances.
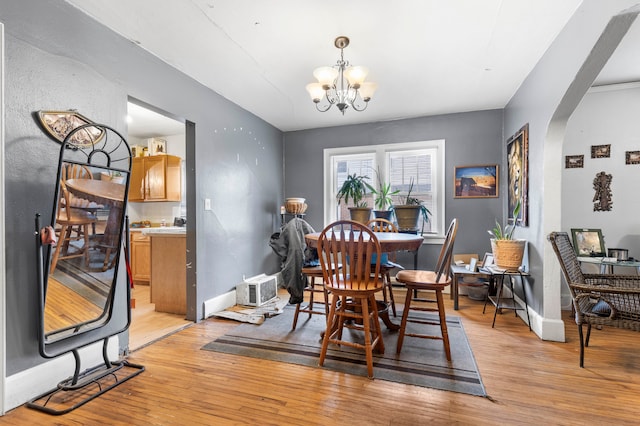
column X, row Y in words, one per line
column 507, row 251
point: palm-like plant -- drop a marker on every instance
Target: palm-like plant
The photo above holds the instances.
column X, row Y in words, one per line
column 506, row 233
column 382, row 194
column 354, row 187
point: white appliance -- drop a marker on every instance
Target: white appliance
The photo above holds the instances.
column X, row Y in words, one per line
column 256, row 291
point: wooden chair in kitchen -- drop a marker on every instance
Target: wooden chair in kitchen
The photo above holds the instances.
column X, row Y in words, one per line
column 311, row 273
column 387, row 263
column 353, row 287
column 73, row 225
column 436, row 281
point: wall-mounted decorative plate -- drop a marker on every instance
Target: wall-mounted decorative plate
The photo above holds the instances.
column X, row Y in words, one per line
column 58, row 124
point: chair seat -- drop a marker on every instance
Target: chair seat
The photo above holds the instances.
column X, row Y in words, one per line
column 423, row 279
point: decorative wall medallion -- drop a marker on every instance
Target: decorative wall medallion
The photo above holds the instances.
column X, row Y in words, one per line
column 632, row 157
column 602, row 198
column 574, row 161
column 601, row 151
column 58, row 124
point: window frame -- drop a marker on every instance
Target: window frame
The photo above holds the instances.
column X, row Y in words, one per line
column 380, row 159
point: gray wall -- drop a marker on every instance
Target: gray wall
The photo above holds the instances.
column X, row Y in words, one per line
column 546, row 100
column 57, row 58
column 470, row 139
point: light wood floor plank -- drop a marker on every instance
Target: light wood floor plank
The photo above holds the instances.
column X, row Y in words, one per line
column 528, row 381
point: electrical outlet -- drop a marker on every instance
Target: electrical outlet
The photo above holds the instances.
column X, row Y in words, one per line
column 207, row 203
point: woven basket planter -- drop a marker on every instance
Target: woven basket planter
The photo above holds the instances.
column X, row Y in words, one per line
column 507, row 254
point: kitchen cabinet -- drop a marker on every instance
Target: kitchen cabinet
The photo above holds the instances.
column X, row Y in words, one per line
column 140, row 257
column 169, row 272
column 155, row 178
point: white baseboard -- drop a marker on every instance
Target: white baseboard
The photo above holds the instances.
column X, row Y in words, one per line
column 28, row 384
column 218, row 303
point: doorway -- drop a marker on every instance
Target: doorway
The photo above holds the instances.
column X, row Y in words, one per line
column 149, row 129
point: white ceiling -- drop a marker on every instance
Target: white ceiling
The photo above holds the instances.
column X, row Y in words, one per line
column 427, row 56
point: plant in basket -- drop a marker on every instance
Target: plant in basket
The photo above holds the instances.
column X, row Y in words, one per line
column 507, row 251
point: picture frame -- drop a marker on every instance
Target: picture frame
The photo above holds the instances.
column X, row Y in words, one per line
column 476, row 181
column 518, row 175
column 588, row 242
column 58, row 124
column 632, row 157
column 601, row 151
column 157, row 146
column 574, row 161
column 487, row 260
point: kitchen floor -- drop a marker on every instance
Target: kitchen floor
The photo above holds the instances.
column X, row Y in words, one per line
column 147, row 325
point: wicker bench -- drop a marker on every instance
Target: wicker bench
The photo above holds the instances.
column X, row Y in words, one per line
column 598, row 299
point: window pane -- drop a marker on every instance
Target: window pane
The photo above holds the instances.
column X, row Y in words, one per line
column 345, row 165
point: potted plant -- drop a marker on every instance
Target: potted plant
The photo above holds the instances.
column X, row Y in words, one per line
column 354, row 188
column 408, row 214
column 382, row 200
column 507, row 251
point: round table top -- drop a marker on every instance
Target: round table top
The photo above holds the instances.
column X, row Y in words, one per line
column 100, row 191
column 389, row 241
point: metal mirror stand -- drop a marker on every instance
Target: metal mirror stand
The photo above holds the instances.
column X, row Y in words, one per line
column 78, row 259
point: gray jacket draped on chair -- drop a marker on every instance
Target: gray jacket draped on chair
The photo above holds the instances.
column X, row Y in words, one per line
column 290, row 246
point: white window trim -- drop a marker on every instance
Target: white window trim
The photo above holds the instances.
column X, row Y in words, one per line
column 380, row 151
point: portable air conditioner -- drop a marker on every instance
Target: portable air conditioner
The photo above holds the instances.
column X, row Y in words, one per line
column 256, row 291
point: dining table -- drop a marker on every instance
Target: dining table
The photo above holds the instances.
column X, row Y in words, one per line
column 107, row 193
column 389, row 242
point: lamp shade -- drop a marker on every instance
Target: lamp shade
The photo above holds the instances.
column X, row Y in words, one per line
column 315, row 91
column 367, row 90
column 356, row 75
column 325, row 75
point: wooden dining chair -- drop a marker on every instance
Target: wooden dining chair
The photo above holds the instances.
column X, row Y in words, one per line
column 353, row 287
column 311, row 273
column 436, row 281
column 72, row 225
column 387, row 263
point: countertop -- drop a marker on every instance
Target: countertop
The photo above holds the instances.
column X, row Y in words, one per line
column 161, row 230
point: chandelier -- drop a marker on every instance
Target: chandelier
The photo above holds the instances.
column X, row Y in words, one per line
column 341, row 84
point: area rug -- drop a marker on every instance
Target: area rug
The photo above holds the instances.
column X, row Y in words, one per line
column 422, row 362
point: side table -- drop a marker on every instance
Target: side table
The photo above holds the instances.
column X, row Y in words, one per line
column 502, row 278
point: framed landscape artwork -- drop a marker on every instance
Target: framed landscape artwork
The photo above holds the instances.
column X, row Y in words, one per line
column 601, row 151
column 632, row 157
column 588, row 242
column 476, row 181
column 518, row 175
column 574, row 161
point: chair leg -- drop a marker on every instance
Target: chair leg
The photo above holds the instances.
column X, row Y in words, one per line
column 295, row 316
column 366, row 322
column 312, row 286
column 56, row 253
column 376, row 323
column 443, row 324
column 586, row 341
column 405, row 315
column 331, row 321
column 391, row 298
column 581, row 346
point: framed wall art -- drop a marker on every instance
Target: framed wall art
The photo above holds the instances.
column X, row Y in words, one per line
column 588, row 242
column 632, row 157
column 518, row 175
column 58, row 124
column 476, row 181
column 157, row 146
column 574, row 161
column 601, row 151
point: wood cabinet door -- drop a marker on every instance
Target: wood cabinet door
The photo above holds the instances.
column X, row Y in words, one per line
column 137, row 184
column 155, row 177
column 140, row 257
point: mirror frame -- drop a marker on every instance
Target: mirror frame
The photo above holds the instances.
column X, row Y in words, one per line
column 110, row 152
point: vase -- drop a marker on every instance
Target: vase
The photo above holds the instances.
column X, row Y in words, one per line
column 408, row 218
column 508, row 254
column 360, row 214
column 382, row 214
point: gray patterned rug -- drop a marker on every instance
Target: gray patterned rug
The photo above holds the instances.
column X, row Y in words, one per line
column 422, row 362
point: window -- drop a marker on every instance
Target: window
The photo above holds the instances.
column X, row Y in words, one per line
column 400, row 164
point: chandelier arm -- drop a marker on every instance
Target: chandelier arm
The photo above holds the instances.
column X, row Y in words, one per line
column 354, row 105
column 323, row 109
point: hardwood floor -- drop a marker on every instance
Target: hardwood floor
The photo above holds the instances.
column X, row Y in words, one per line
column 528, row 381
column 147, row 325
